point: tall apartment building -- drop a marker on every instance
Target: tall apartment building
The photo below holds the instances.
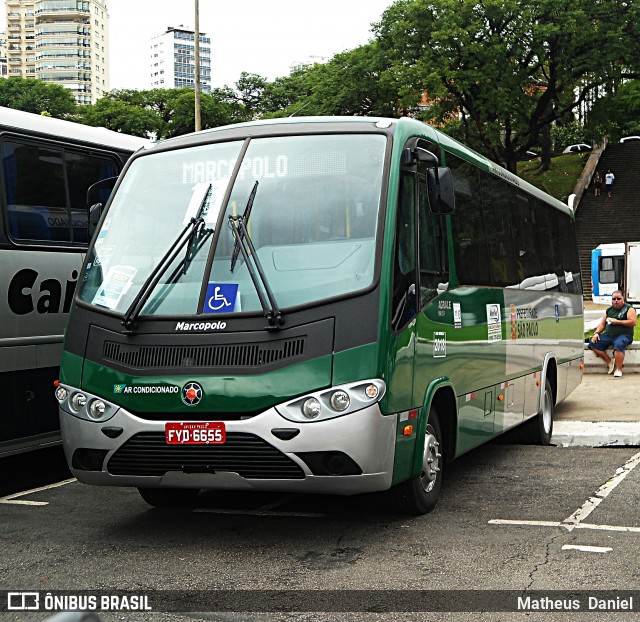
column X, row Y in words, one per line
column 63, row 42
column 173, row 63
column 3, row 53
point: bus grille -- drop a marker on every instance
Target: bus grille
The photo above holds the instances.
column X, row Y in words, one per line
column 224, row 355
column 246, row 454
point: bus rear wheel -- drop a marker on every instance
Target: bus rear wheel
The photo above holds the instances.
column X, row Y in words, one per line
column 539, row 429
column 419, row 495
column 170, row 497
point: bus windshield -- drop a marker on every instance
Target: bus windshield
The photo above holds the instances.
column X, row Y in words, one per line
column 308, row 204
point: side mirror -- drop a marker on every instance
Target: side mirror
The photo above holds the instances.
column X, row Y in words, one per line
column 440, row 187
column 97, row 195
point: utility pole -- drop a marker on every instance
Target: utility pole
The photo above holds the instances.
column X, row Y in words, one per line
column 197, row 61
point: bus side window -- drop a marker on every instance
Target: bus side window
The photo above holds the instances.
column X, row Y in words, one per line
column 82, row 171
column 495, row 204
column 46, row 189
column 470, row 246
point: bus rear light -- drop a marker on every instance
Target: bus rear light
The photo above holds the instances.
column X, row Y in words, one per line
column 407, row 430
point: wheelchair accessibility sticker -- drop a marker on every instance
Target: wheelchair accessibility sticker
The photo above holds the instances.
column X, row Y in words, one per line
column 222, row 298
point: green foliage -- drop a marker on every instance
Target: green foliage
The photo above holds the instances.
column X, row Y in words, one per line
column 120, row 116
column 162, row 113
column 508, row 68
column 560, row 180
column 31, row 95
column 616, row 115
column 568, row 134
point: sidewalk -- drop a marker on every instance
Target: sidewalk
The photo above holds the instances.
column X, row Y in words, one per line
column 603, row 411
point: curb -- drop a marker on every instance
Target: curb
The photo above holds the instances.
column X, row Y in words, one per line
column 596, row 434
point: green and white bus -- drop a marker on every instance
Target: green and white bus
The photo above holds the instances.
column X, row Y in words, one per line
column 316, row 305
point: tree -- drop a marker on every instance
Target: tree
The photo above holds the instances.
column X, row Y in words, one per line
column 162, row 112
column 508, row 68
column 31, row 95
column 616, row 115
column 354, row 82
column 120, row 116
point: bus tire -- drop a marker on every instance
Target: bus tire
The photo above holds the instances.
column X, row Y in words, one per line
column 170, row 497
column 539, row 429
column 419, row 495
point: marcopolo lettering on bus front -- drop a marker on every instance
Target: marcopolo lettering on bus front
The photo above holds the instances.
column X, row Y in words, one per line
column 200, row 326
column 261, row 167
column 439, row 345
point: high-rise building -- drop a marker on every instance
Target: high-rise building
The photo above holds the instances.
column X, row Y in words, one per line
column 62, row 42
column 3, row 53
column 173, row 63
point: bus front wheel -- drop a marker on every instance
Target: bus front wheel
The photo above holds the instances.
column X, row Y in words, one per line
column 169, row 497
column 420, row 494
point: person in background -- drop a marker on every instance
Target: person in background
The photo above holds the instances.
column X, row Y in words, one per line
column 597, row 184
column 615, row 329
column 608, row 181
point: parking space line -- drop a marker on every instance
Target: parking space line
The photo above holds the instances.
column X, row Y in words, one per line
column 575, row 521
column 546, row 523
column 587, row 549
column 603, row 492
column 13, row 500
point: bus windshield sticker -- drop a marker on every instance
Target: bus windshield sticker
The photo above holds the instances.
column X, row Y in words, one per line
column 115, row 286
column 222, row 298
column 211, row 210
column 457, row 315
column 494, row 322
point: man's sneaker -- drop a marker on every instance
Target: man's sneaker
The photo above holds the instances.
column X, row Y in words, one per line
column 617, row 373
column 611, row 366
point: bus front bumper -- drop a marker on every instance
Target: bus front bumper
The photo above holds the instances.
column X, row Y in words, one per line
column 346, row 455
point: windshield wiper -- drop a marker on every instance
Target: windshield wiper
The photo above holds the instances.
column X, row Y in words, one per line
column 244, row 245
column 186, row 237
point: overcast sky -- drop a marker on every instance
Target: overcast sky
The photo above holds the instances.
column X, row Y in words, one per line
column 259, row 36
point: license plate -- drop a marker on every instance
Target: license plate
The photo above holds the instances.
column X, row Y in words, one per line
column 200, row 433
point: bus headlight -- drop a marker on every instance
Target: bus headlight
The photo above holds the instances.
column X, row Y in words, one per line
column 333, row 402
column 311, row 408
column 340, row 401
column 84, row 405
column 97, row 409
column 78, row 401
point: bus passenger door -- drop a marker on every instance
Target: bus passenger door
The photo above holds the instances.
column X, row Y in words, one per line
column 403, row 301
column 434, row 335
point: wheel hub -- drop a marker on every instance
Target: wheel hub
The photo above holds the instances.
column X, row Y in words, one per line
column 430, row 461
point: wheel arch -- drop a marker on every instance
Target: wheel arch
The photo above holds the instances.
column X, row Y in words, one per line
column 550, row 373
column 441, row 396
